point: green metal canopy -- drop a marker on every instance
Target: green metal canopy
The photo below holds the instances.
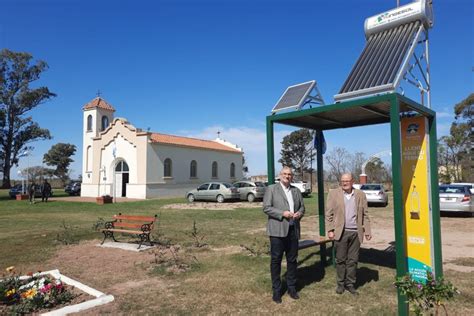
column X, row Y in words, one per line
column 361, row 112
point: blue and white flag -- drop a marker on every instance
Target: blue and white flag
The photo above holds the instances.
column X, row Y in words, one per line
column 322, row 140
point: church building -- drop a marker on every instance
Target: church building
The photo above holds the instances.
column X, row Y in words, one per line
column 124, row 161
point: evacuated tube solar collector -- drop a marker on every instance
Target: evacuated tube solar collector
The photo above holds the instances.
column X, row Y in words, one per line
column 392, row 37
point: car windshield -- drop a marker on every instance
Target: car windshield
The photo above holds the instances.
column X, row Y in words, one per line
column 452, row 189
column 370, row 187
column 227, row 185
column 259, row 184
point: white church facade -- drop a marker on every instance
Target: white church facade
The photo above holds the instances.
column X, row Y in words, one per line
column 124, row 161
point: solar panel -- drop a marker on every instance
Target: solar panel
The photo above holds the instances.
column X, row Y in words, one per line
column 294, row 96
column 382, row 62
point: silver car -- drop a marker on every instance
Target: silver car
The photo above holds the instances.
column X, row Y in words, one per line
column 213, row 191
column 375, row 193
column 250, row 191
column 455, row 198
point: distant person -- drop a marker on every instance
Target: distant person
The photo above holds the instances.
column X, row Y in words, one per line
column 347, row 221
column 284, row 206
column 31, row 192
column 45, row 191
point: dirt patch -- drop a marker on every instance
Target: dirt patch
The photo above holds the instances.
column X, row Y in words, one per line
column 212, row 206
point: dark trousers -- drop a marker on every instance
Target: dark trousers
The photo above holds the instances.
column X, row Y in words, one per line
column 289, row 246
column 44, row 196
column 347, row 256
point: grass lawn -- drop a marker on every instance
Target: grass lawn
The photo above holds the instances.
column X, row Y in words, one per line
column 226, row 281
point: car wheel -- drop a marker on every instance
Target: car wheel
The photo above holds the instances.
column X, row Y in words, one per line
column 220, row 198
column 191, row 198
column 250, row 197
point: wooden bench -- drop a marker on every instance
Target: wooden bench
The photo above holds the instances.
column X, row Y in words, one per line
column 306, row 243
column 130, row 224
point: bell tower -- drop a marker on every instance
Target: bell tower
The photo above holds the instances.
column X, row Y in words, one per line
column 97, row 116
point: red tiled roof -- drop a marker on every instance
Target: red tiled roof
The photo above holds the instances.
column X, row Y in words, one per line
column 98, row 102
column 190, row 142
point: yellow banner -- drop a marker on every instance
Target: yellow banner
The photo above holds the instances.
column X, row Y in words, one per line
column 416, row 195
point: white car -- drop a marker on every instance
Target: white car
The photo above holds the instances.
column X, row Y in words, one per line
column 375, row 193
column 304, row 187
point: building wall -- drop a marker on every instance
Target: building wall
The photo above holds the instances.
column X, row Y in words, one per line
column 181, row 158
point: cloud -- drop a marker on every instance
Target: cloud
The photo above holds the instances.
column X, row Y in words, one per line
column 442, row 129
column 252, row 140
column 444, row 115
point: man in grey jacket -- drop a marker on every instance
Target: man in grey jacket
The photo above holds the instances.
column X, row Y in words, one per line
column 284, row 206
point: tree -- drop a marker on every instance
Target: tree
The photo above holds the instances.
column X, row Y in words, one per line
column 464, row 126
column 37, row 173
column 455, row 152
column 245, row 169
column 357, row 161
column 375, row 170
column 338, row 161
column 16, row 99
column 297, row 151
column 59, row 156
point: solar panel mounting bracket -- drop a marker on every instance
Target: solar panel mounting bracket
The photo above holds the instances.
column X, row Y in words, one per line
column 299, row 95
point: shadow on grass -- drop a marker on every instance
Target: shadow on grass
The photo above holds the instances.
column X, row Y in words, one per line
column 384, row 258
column 366, row 275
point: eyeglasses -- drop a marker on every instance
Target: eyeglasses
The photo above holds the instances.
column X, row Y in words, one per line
column 346, row 181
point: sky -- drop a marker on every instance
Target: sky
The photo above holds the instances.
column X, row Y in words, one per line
column 196, row 67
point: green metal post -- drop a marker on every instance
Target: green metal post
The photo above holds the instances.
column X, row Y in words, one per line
column 401, row 260
column 435, row 218
column 270, row 152
column 322, row 223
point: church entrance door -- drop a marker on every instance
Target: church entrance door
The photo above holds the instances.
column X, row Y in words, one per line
column 121, row 178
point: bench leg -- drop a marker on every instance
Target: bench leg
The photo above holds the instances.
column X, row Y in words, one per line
column 145, row 237
column 108, row 234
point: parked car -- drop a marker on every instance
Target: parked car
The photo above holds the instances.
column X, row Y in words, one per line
column 14, row 190
column 250, row 190
column 455, row 198
column 304, row 187
column 214, row 191
column 470, row 185
column 375, row 193
column 73, row 188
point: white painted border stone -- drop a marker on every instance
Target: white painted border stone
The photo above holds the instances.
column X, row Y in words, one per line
column 100, row 298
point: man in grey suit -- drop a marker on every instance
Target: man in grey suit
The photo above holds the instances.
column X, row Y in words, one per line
column 284, row 206
column 347, row 222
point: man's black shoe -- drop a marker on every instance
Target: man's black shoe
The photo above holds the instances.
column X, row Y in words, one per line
column 339, row 290
column 294, row 295
column 276, row 298
column 352, row 290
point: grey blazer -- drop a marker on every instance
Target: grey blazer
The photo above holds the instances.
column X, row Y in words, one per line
column 275, row 203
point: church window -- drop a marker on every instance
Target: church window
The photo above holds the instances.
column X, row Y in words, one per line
column 105, row 122
column 232, row 170
column 121, row 167
column 89, row 158
column 89, row 123
column 214, row 169
column 193, row 169
column 168, row 167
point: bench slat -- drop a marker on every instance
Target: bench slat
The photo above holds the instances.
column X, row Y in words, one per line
column 129, row 225
column 125, row 231
column 135, row 218
column 303, row 244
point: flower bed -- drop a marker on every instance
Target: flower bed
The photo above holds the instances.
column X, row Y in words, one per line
column 46, row 291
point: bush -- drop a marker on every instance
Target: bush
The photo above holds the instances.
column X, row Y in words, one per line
column 424, row 296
